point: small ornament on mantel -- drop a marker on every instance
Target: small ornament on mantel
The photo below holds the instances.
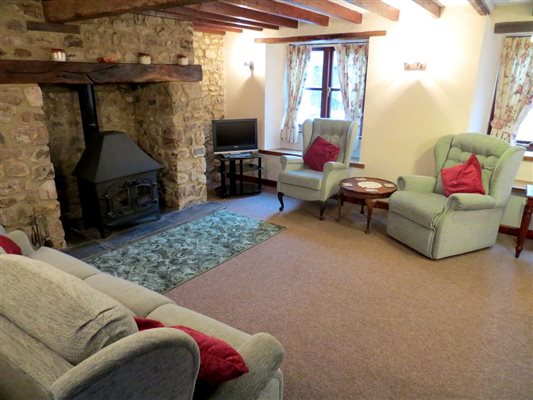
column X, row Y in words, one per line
column 182, row 59
column 58, row 55
column 144, row 58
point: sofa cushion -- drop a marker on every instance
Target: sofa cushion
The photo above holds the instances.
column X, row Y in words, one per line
column 219, row 362
column 421, row 207
column 60, row 310
column 8, row 246
column 64, row 262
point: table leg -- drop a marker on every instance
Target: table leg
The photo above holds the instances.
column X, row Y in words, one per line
column 340, row 203
column 526, row 219
column 370, row 206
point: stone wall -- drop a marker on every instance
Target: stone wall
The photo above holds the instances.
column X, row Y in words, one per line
column 209, row 52
column 27, row 186
column 181, row 121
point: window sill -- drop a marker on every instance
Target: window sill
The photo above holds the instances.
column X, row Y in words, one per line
column 290, row 152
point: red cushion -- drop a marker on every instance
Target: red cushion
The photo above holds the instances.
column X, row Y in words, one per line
column 320, row 152
column 463, row 178
column 219, row 362
column 9, row 246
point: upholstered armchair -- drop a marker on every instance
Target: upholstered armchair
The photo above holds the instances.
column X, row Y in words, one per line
column 297, row 180
column 422, row 217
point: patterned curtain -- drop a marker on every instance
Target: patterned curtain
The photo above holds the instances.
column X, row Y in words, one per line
column 298, row 58
column 514, row 93
column 352, row 58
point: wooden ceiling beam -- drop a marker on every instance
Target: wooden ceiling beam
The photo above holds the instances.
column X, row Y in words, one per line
column 215, row 28
column 218, row 17
column 284, row 10
column 378, row 7
column 321, row 38
column 179, row 17
column 76, row 10
column 245, row 13
column 332, row 9
column 481, row 6
column 430, row 5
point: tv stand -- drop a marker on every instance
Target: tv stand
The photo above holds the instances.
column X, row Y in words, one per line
column 232, row 168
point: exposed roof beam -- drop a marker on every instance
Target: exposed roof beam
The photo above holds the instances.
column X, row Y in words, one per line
column 179, row 17
column 378, row 7
column 245, row 13
column 76, row 10
column 432, row 6
column 481, row 6
column 321, row 38
column 214, row 28
column 332, row 9
column 283, row 10
column 218, row 17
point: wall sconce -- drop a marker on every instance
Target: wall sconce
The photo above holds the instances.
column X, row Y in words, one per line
column 250, row 64
column 415, row 66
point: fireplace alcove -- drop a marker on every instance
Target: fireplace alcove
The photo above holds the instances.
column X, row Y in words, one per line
column 157, row 105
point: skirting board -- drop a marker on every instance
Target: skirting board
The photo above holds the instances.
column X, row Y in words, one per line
column 508, row 230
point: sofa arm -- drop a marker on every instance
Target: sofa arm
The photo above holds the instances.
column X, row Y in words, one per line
column 332, row 166
column 22, row 240
column 470, row 201
column 291, row 162
column 156, row 364
column 417, row 183
column 263, row 355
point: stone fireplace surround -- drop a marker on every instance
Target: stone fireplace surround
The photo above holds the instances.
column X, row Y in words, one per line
column 41, row 137
column 41, row 150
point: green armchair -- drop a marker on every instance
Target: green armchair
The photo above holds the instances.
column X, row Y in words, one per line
column 423, row 218
column 299, row 181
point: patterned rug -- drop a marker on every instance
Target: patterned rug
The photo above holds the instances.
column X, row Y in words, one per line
column 169, row 258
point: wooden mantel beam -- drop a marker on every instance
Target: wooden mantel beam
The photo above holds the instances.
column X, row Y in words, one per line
column 430, row 5
column 378, row 7
column 76, row 10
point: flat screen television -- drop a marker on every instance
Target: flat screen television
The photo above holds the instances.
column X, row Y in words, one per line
column 234, row 135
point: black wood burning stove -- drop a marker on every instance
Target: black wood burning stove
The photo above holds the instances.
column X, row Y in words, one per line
column 117, row 181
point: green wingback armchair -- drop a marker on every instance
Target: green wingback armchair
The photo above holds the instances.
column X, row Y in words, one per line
column 437, row 226
column 299, row 181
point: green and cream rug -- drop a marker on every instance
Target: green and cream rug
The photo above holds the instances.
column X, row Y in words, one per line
column 166, row 259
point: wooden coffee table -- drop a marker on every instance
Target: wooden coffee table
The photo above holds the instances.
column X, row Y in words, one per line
column 366, row 191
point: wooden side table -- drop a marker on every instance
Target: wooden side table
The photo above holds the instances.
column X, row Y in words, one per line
column 367, row 190
column 526, row 219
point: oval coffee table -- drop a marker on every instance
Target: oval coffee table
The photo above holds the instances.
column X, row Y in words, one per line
column 367, row 191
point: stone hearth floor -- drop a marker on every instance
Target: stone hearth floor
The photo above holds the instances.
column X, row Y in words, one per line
column 87, row 242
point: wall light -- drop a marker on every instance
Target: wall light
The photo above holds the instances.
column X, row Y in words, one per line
column 414, row 66
column 250, row 64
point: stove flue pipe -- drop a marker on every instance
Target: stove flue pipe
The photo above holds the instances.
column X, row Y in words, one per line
column 89, row 117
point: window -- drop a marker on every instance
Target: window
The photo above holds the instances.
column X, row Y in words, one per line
column 322, row 95
column 524, row 134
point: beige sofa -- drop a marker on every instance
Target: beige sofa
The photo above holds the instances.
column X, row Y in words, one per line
column 67, row 332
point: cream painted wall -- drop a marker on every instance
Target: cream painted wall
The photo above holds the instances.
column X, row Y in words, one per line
column 405, row 112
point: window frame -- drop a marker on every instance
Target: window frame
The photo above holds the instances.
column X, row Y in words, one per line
column 327, row 78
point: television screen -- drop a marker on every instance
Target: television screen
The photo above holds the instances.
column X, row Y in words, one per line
column 234, row 135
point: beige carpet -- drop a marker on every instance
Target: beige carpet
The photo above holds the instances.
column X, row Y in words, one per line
column 364, row 317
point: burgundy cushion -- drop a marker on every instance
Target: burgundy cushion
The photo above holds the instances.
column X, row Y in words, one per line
column 320, row 152
column 219, row 362
column 463, row 178
column 9, row 246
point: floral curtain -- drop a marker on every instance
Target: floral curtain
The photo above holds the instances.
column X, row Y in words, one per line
column 514, row 92
column 298, row 58
column 352, row 59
